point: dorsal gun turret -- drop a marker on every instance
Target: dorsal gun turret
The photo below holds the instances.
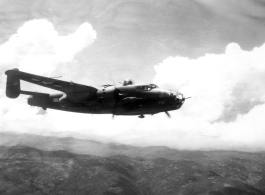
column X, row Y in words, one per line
column 128, row 82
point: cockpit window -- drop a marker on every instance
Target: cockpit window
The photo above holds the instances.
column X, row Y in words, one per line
column 179, row 95
column 147, row 87
column 153, row 86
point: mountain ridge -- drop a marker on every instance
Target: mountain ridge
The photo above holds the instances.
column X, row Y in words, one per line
column 36, row 165
column 27, row 170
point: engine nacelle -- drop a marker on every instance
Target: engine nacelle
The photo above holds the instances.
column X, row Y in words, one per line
column 39, row 100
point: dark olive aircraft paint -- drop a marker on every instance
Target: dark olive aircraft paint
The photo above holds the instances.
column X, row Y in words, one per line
column 128, row 99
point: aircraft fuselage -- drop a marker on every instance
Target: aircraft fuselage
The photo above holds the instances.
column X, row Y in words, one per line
column 124, row 100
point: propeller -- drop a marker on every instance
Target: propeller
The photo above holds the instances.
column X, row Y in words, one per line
column 118, row 97
column 185, row 99
column 168, row 115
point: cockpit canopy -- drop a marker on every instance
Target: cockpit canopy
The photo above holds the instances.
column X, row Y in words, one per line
column 147, row 87
column 128, row 82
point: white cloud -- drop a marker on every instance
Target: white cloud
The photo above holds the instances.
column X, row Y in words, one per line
column 37, row 47
column 219, row 85
column 212, row 79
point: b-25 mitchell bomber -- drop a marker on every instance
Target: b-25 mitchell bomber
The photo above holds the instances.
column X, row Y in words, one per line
column 128, row 99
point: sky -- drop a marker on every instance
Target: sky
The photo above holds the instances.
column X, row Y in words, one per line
column 210, row 50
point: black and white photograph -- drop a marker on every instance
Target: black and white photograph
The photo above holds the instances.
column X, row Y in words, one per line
column 132, row 97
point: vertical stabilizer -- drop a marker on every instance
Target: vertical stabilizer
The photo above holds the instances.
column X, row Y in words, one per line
column 12, row 85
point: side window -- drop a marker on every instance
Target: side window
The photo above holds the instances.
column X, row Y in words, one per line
column 144, row 88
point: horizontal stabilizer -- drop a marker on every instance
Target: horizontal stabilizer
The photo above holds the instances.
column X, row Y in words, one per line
column 12, row 86
column 74, row 90
column 33, row 93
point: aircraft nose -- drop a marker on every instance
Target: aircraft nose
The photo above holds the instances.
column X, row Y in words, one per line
column 180, row 99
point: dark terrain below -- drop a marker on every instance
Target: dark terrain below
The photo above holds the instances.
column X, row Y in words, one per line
column 35, row 165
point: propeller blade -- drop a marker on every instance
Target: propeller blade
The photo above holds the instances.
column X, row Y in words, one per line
column 168, row 115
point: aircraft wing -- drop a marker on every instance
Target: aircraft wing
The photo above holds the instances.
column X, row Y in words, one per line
column 63, row 86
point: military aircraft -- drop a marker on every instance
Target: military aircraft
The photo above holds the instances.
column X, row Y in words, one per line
column 128, row 99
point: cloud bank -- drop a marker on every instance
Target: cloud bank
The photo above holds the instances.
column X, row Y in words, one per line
column 225, row 112
column 37, row 47
column 227, row 105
